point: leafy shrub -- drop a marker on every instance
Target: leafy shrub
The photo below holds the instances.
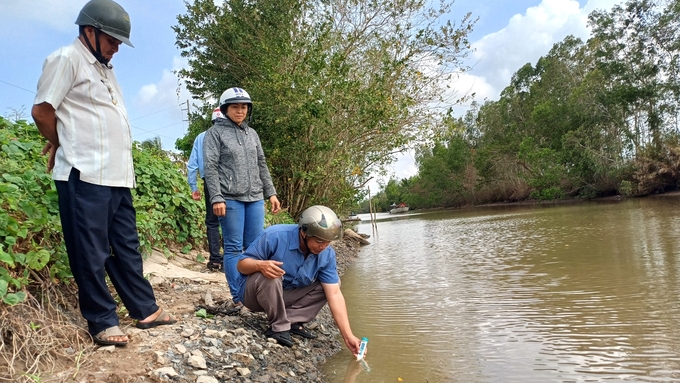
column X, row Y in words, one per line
column 31, row 246
column 30, row 230
column 627, row 189
column 166, row 213
column 547, row 194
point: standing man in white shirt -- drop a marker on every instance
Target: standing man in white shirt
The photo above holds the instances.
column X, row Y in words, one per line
column 79, row 109
column 212, row 223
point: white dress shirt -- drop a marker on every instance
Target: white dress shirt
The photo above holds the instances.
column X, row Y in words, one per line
column 92, row 123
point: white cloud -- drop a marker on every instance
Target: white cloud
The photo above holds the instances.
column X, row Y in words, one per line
column 600, row 5
column 162, row 107
column 526, row 38
column 403, row 167
column 57, row 14
column 168, row 90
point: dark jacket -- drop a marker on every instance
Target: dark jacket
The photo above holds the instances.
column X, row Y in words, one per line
column 235, row 166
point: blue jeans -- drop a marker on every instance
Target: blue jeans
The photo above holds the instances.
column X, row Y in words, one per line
column 242, row 224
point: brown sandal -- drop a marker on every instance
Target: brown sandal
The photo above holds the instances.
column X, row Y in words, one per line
column 159, row 321
column 102, row 338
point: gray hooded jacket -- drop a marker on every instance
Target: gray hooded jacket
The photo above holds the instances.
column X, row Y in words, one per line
column 235, row 166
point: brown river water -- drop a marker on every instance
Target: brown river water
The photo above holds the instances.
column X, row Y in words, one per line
column 586, row 292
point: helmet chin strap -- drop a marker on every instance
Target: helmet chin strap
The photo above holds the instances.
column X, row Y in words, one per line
column 95, row 52
column 304, row 239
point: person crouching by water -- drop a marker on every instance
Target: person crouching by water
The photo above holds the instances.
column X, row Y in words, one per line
column 290, row 273
column 238, row 180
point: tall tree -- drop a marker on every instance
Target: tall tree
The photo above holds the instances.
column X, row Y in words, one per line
column 339, row 86
column 638, row 54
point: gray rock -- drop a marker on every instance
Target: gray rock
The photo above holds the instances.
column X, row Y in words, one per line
column 160, row 357
column 107, row 348
column 245, row 359
column 165, row 371
column 213, row 351
column 197, row 362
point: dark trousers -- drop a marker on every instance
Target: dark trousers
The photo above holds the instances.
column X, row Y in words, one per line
column 283, row 307
column 212, row 225
column 100, row 233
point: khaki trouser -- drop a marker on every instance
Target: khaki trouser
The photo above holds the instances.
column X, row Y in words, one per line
column 283, row 307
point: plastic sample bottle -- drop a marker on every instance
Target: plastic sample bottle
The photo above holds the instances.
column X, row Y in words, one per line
column 362, row 348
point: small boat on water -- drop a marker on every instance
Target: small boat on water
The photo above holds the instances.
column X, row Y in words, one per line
column 401, row 208
column 352, row 218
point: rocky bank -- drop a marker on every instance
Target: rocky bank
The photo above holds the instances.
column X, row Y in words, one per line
column 212, row 341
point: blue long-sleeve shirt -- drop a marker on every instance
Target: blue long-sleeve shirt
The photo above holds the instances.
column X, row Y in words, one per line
column 196, row 162
column 282, row 243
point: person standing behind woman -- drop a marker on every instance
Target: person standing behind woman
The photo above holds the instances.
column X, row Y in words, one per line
column 194, row 165
column 238, row 180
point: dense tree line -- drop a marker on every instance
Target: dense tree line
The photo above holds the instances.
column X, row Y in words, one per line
column 589, row 119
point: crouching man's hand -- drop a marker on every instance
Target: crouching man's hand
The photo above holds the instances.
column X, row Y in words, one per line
column 271, row 269
column 353, row 344
column 268, row 268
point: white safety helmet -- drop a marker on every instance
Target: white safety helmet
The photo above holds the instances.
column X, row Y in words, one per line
column 321, row 222
column 216, row 114
column 235, row 96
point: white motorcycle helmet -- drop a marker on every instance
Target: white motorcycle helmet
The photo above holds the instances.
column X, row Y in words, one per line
column 235, row 96
column 216, row 114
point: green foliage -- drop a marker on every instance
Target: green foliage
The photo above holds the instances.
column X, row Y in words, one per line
column 544, row 169
column 166, row 213
column 282, row 217
column 626, row 189
column 31, row 245
column 442, row 178
column 201, row 313
column 30, row 231
column 547, row 194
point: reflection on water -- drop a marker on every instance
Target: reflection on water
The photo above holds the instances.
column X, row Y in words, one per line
column 565, row 293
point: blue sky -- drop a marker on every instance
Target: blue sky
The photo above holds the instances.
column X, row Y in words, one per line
column 509, row 34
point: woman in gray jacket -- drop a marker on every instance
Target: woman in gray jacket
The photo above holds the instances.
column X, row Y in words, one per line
column 237, row 178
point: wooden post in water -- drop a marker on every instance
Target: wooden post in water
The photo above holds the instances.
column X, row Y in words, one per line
column 371, row 213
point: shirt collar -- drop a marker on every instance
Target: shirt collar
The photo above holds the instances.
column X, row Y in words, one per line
column 85, row 51
column 295, row 240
